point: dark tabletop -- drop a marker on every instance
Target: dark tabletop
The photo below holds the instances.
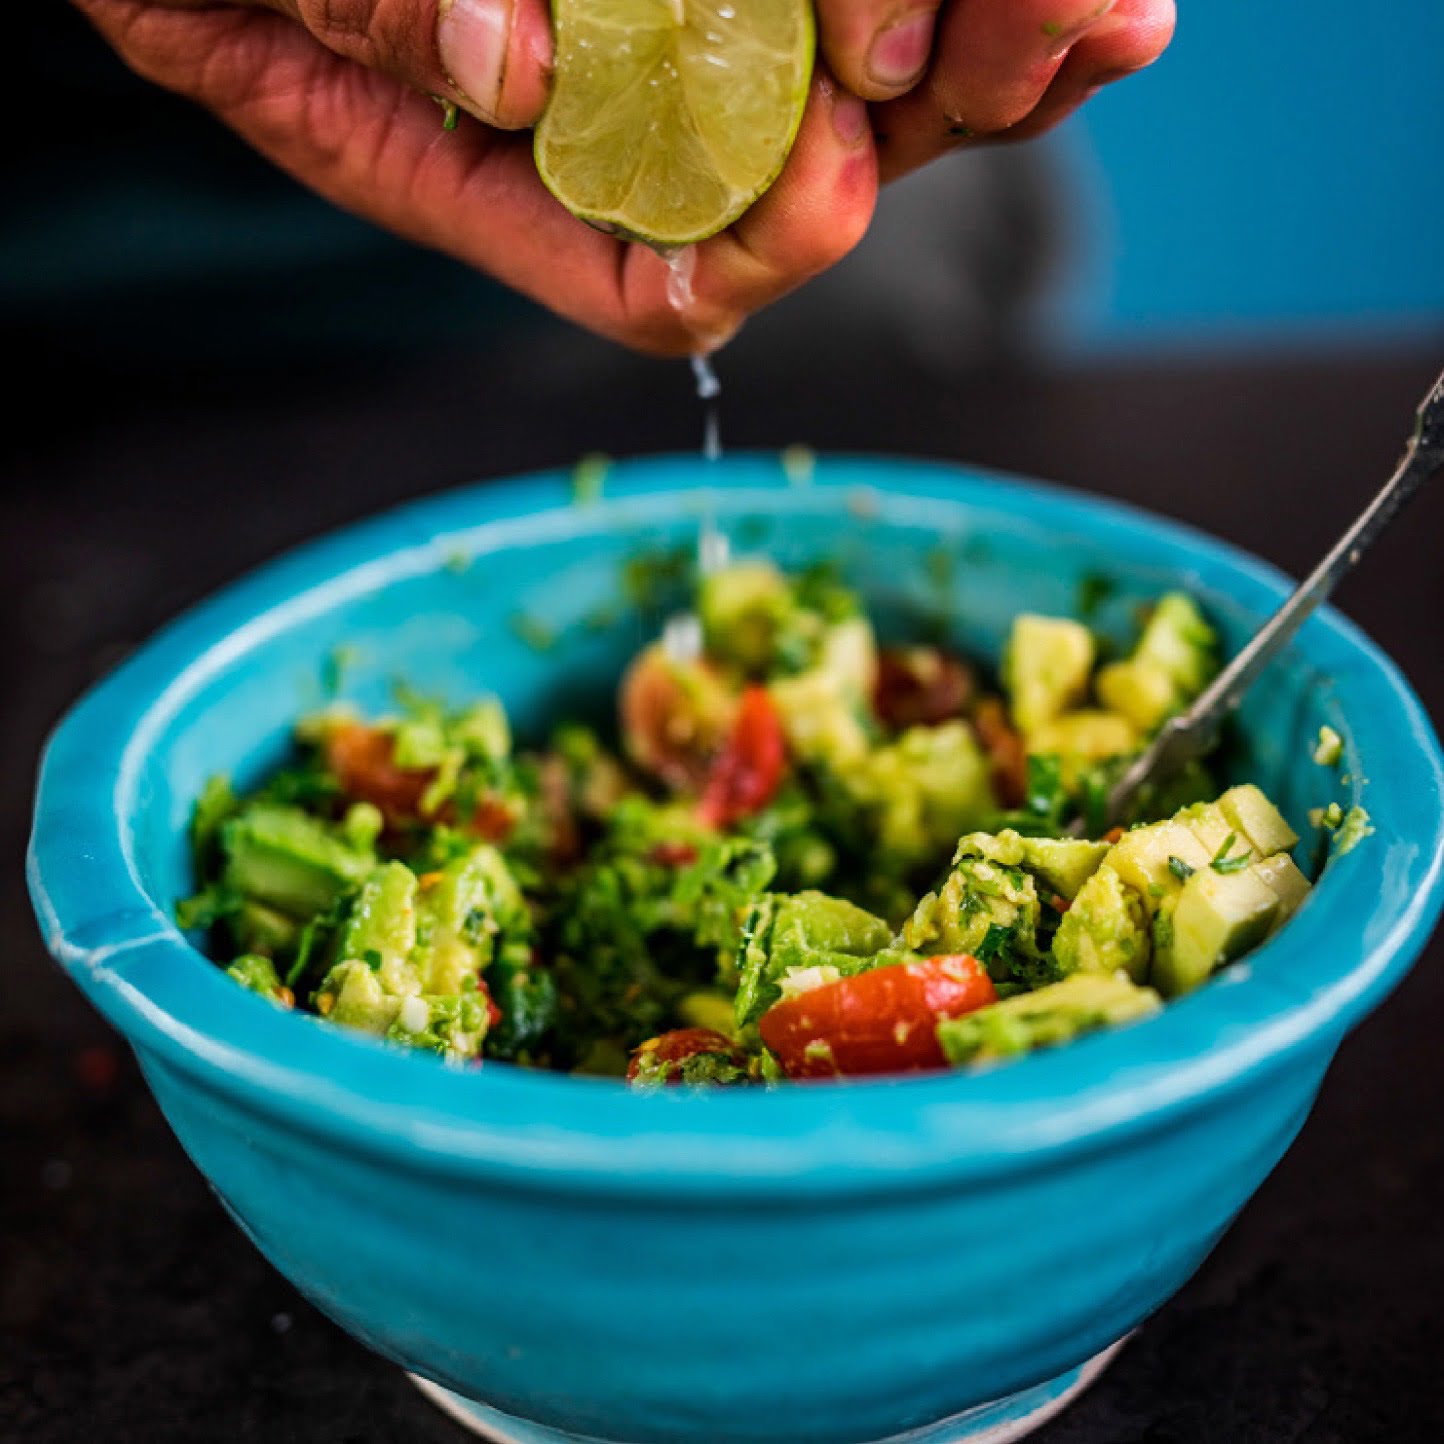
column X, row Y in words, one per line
column 132, row 1309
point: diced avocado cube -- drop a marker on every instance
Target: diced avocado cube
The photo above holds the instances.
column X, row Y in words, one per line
column 741, row 607
column 924, row 789
column 258, row 974
column 352, row 995
column 1180, row 643
column 1045, row 667
column 1138, row 692
column 1328, row 751
column 801, row 930
column 1144, row 859
column 1079, row 739
column 1105, row 929
column 1280, row 874
column 1062, row 864
column 988, row 909
column 1211, row 826
column 1175, row 659
column 462, row 911
column 381, row 926
column 1258, row 820
column 821, row 708
column 289, row 860
column 1044, row 1018
column 1219, row 917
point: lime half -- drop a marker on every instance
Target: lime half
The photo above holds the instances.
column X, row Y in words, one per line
column 668, row 118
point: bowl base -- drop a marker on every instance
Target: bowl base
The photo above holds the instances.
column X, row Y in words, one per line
column 1001, row 1422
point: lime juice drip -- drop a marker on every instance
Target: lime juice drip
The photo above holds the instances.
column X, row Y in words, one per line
column 712, row 545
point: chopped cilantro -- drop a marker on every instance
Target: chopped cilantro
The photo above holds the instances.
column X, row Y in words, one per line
column 1223, row 863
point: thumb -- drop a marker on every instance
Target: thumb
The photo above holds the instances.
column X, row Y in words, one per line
column 491, row 58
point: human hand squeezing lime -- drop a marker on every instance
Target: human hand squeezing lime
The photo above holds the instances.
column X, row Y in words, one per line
column 669, row 121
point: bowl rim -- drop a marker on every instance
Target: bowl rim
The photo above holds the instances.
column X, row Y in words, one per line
column 1296, row 996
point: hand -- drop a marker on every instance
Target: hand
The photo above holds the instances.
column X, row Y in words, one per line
column 978, row 70
column 335, row 91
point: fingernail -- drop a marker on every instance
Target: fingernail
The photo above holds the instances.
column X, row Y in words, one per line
column 899, row 53
column 471, row 37
column 849, row 118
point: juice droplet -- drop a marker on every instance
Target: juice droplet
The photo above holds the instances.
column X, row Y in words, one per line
column 681, row 268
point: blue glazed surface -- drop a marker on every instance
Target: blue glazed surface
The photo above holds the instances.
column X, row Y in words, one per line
column 818, row 1265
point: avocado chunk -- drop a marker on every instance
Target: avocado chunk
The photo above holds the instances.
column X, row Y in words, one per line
column 1154, row 860
column 923, row 789
column 1142, row 695
column 1280, row 874
column 990, row 910
column 1079, row 739
column 1045, row 667
column 1251, row 813
column 1175, row 659
column 463, row 912
column 1219, row 917
column 741, row 608
column 820, row 708
column 353, row 995
column 803, row 930
column 1105, row 929
column 1061, row 864
column 1180, row 643
column 290, row 861
column 258, row 974
column 1045, row 1018
column 383, row 917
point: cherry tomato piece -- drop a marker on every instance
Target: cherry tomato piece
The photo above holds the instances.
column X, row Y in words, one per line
column 363, row 759
column 882, row 1021
column 678, row 1046
column 920, row 687
column 675, row 715
column 749, row 770
column 1006, row 753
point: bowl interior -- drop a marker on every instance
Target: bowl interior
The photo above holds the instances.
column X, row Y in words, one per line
column 545, row 615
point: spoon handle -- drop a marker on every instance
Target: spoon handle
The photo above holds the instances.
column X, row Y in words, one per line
column 1191, row 733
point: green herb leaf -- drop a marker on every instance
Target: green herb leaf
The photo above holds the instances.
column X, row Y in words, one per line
column 1223, row 863
column 1180, row 869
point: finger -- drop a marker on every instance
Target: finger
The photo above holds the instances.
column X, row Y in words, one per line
column 877, row 48
column 1128, row 40
column 996, row 63
column 489, row 57
column 816, row 211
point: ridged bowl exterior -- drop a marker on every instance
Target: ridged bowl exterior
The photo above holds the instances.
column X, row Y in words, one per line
column 818, row 1265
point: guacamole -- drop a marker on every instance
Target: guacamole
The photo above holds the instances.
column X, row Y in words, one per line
column 802, row 853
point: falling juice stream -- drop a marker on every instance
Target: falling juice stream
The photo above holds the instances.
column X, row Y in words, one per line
column 712, row 546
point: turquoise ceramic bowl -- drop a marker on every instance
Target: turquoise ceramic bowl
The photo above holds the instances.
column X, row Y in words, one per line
column 817, row 1265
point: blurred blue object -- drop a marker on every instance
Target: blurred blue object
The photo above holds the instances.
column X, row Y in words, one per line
column 1276, row 173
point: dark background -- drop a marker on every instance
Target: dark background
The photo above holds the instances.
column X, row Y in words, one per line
column 207, row 367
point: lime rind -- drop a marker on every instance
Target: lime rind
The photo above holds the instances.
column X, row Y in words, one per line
column 669, row 118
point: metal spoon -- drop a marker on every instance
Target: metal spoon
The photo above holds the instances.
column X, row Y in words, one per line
column 1191, row 733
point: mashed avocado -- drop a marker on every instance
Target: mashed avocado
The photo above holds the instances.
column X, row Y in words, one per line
column 803, row 849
